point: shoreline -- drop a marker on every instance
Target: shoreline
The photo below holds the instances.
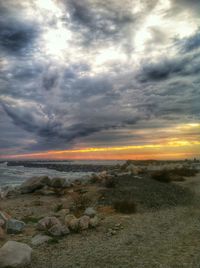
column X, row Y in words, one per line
column 138, row 220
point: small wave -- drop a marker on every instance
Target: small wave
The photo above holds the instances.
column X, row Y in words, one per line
column 4, row 164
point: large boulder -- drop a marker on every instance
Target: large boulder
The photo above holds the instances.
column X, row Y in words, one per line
column 15, row 254
column 14, row 226
column 34, row 184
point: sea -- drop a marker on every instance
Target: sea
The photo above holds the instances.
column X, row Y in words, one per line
column 15, row 175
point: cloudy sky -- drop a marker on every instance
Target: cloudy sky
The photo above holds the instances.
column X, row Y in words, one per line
column 100, row 78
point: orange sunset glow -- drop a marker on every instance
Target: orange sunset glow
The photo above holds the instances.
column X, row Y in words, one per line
column 170, row 148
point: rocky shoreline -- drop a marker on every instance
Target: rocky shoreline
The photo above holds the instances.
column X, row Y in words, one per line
column 50, row 213
column 62, row 167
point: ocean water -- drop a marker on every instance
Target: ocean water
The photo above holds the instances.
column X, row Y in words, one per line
column 15, row 175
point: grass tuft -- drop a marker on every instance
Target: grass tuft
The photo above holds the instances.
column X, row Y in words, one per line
column 126, row 206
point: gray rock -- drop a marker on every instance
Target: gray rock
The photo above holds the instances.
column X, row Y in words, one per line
column 34, row 184
column 91, row 212
column 58, row 230
column 84, row 222
column 58, row 183
column 14, row 226
column 15, row 254
column 94, row 222
column 40, row 239
column 47, row 222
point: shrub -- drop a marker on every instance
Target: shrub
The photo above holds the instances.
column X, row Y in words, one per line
column 110, row 182
column 81, row 202
column 161, row 175
column 186, row 172
column 126, row 206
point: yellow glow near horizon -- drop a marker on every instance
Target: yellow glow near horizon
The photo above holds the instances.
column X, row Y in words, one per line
column 134, row 149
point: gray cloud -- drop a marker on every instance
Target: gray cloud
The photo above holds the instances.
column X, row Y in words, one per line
column 60, row 102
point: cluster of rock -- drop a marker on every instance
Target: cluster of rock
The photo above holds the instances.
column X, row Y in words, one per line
column 49, row 228
column 42, row 185
column 107, row 177
column 55, row 228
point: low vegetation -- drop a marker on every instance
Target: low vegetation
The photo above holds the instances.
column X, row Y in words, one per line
column 126, row 205
column 176, row 174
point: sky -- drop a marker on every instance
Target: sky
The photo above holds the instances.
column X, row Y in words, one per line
column 99, row 79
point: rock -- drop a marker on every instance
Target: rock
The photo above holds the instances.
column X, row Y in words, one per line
column 74, row 225
column 68, row 219
column 58, row 183
column 46, row 191
column 47, row 222
column 40, row 239
column 72, row 222
column 8, row 191
column 15, row 254
column 14, row 226
column 2, row 234
column 84, row 222
column 91, row 212
column 58, row 230
column 2, row 223
column 34, row 184
column 94, row 222
column 133, row 169
column 62, row 213
column 4, row 216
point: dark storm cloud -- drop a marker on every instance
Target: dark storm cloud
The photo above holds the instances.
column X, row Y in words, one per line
column 55, row 103
column 191, row 43
column 167, row 68
column 16, row 34
column 101, row 21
